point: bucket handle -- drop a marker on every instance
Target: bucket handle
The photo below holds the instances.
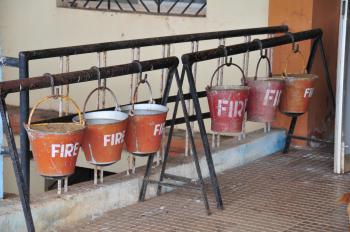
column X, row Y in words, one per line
column 64, row 98
column 263, row 55
column 98, row 89
column 142, row 81
column 243, row 80
column 295, row 50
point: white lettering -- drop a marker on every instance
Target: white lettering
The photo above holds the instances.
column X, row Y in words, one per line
column 54, row 149
column 308, row 92
column 114, row 139
column 158, row 129
column 272, row 96
column 106, row 140
column 68, row 150
column 65, row 150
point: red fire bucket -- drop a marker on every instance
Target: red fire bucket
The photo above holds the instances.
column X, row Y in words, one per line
column 145, row 126
column 104, row 134
column 264, row 95
column 298, row 90
column 227, row 104
column 55, row 146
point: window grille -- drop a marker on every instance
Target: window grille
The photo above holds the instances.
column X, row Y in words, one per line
column 159, row 7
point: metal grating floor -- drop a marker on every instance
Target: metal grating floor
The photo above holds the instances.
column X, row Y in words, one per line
column 282, row 192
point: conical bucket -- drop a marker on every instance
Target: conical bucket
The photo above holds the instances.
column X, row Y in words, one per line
column 299, row 89
column 55, row 146
column 227, row 104
column 104, row 134
column 145, row 126
column 264, row 95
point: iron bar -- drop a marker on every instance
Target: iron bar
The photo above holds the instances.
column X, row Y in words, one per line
column 311, row 139
column 178, row 178
column 179, row 98
column 86, row 3
column 120, row 7
column 116, row 45
column 191, row 58
column 9, row 61
column 172, row 7
column 173, row 185
column 210, row 163
column 290, row 133
column 20, row 178
column 72, row 3
column 188, row 6
column 144, row 5
column 327, row 74
column 39, row 82
column 23, row 117
column 200, row 9
column 130, row 4
column 99, row 3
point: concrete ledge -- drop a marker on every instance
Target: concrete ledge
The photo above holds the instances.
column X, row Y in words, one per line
column 86, row 200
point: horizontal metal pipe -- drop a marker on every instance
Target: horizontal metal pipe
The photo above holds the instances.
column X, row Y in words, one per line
column 9, row 61
column 311, row 139
column 108, row 46
column 85, row 75
column 191, row 58
column 173, row 185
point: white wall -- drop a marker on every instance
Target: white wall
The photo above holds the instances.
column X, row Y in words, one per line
column 39, row 24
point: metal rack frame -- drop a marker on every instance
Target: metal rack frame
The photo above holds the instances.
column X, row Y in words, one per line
column 26, row 56
column 188, row 61
column 8, row 87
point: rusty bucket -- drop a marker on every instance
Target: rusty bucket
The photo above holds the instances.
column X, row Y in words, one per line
column 55, row 146
column 299, row 89
column 104, row 134
column 145, row 126
column 264, row 95
column 227, row 104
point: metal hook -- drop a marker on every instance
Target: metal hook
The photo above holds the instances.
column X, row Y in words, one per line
column 227, row 63
column 139, row 66
column 98, row 71
column 262, row 53
column 52, row 81
column 295, row 46
column 144, row 80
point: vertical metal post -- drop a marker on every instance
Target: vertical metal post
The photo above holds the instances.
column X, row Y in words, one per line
column 20, row 179
column 215, row 140
column 165, row 53
column 67, row 86
column 167, row 147
column 326, row 73
column 1, row 141
column 158, row 5
column 24, row 111
column 290, row 132
column 194, row 48
column 104, row 57
column 213, row 177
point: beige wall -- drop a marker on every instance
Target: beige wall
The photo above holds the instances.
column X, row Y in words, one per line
column 39, row 24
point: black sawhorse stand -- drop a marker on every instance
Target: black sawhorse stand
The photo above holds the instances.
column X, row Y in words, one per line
column 199, row 185
column 294, row 116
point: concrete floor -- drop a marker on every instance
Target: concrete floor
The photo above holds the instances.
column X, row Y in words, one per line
column 281, row 192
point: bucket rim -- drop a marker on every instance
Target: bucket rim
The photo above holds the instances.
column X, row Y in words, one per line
column 227, row 87
column 108, row 114
column 266, row 79
column 145, row 106
column 300, row 76
column 74, row 131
